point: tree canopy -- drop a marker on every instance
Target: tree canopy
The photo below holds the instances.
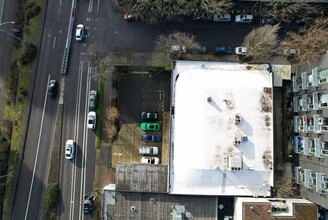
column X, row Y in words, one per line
column 156, row 10
column 310, row 40
column 262, row 41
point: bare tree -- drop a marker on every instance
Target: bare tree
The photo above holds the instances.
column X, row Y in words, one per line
column 155, row 10
column 311, row 41
column 288, row 11
column 104, row 67
column 262, row 41
column 183, row 40
column 111, row 129
column 209, row 8
column 285, row 188
column 112, row 114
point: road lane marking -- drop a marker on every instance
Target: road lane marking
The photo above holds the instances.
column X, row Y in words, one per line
column 98, row 6
column 85, row 142
column 90, row 6
column 37, row 152
column 76, row 136
column 54, row 44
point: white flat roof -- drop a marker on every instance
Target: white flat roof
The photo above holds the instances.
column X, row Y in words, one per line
column 204, row 157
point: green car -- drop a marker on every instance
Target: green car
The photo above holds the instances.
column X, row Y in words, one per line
column 152, row 126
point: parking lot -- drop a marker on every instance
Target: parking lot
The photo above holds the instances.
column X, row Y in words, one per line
column 138, row 93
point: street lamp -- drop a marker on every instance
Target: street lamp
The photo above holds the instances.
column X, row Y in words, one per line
column 3, row 30
column 7, row 22
column 11, row 174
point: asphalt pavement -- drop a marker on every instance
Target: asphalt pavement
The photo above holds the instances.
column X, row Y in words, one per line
column 106, row 31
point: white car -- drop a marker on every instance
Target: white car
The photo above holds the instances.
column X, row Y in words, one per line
column 92, row 120
column 148, row 150
column 177, row 48
column 244, row 18
column 150, row 160
column 79, row 33
column 241, row 50
column 69, row 149
column 291, row 52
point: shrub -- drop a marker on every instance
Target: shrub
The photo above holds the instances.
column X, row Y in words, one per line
column 50, row 196
column 29, row 53
column 112, row 114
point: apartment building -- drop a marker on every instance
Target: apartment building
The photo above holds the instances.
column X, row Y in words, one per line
column 310, row 126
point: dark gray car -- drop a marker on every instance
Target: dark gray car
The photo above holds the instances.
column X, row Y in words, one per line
column 93, row 100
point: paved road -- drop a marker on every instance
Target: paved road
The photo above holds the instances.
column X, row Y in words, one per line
column 106, row 31
column 31, row 183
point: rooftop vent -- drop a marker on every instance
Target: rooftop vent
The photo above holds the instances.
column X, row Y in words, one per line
column 278, row 206
column 152, row 200
column 237, row 119
column 133, row 208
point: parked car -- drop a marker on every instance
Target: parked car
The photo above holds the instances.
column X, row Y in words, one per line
column 148, row 150
column 93, row 100
column 149, row 116
column 222, row 18
column 291, row 52
column 87, row 204
column 222, row 50
column 69, row 149
column 150, row 138
column 92, row 118
column 150, row 160
column 203, row 19
column 303, row 21
column 52, row 88
column 79, row 33
column 244, row 18
column 241, row 50
column 267, row 20
column 201, row 50
column 131, row 17
column 151, row 126
column 178, row 49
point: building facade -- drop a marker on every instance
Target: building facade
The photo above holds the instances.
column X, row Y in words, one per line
column 310, row 126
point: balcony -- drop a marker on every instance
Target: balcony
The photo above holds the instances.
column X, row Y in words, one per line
column 315, row 100
column 299, row 144
column 308, row 178
column 323, row 100
column 308, row 147
column 309, row 102
column 296, row 82
column 299, row 175
column 312, row 78
column 323, row 76
column 323, row 149
column 320, row 124
column 300, row 103
column 322, row 183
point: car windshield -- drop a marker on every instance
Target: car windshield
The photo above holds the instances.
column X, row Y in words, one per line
column 90, row 121
column 78, row 32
